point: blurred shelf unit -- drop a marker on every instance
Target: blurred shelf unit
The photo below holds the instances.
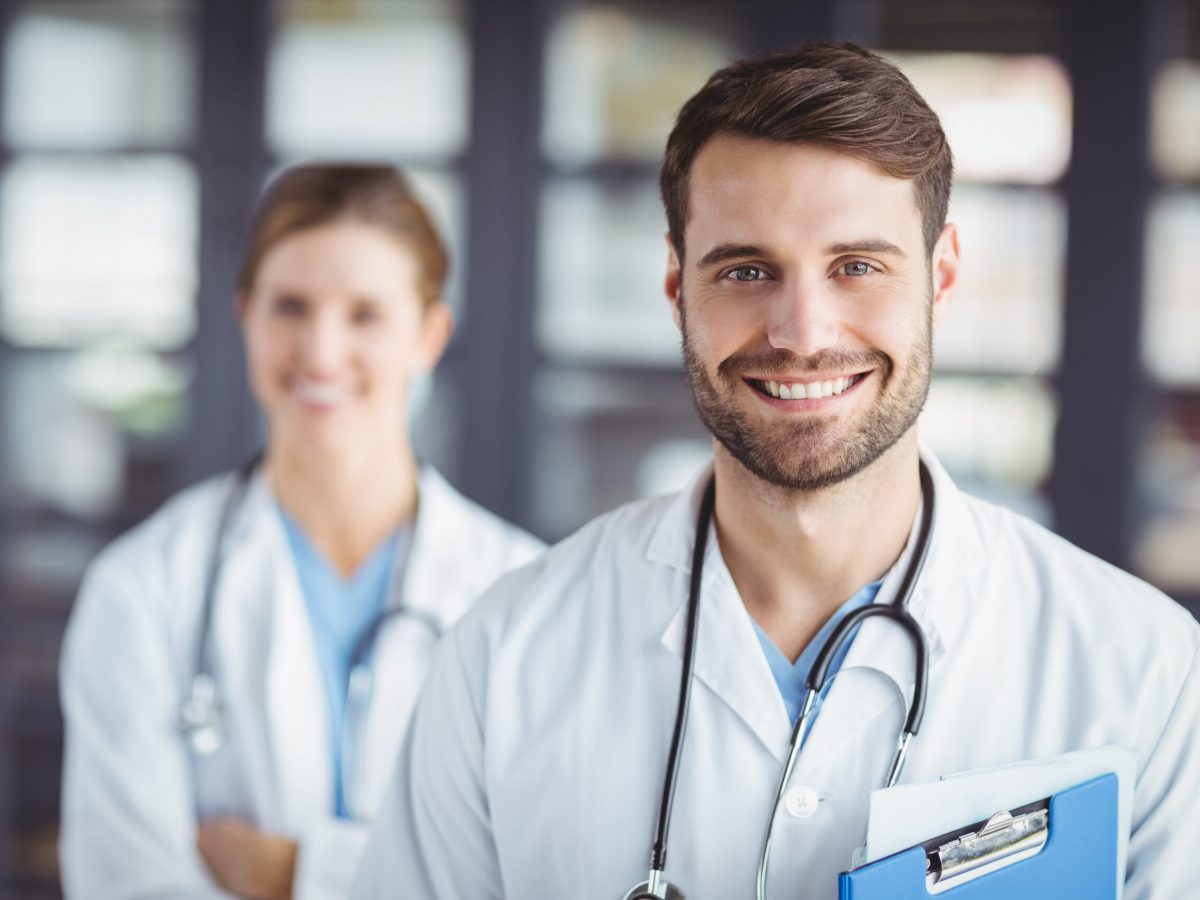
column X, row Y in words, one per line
column 1167, row 550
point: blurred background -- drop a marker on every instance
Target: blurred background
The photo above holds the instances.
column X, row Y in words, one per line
column 135, row 136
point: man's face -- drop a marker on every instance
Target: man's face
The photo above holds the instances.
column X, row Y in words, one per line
column 806, row 302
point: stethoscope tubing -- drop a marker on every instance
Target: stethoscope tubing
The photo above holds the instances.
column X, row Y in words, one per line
column 658, row 853
column 201, row 716
column 656, row 885
column 896, row 611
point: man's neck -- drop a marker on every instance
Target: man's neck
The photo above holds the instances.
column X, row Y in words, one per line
column 798, row 556
column 346, row 502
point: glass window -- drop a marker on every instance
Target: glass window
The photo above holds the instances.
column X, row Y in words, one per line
column 1171, row 331
column 1175, row 130
column 1007, row 117
column 670, row 464
column 73, row 420
column 368, row 79
column 98, row 248
column 98, row 74
column 1007, row 314
column 995, row 436
column 602, row 258
column 616, row 79
column 605, row 438
column 1169, row 471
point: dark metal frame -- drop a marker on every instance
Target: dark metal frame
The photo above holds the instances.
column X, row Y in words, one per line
column 1108, row 191
column 496, row 357
column 231, row 162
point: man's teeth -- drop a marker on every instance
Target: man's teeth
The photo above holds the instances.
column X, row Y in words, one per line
column 813, row 390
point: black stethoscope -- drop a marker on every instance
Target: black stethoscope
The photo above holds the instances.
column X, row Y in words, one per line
column 200, row 717
column 656, row 886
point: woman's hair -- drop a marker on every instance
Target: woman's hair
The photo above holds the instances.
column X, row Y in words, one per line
column 309, row 196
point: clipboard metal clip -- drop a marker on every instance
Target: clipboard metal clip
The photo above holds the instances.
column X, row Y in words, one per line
column 1003, row 839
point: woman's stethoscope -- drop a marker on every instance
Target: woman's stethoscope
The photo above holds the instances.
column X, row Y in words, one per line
column 656, row 886
column 201, row 716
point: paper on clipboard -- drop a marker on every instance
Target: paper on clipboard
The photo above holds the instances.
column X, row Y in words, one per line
column 909, row 814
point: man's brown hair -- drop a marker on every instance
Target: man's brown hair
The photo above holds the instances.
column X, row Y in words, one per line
column 833, row 95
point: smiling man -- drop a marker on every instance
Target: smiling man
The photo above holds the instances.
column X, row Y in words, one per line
column 650, row 670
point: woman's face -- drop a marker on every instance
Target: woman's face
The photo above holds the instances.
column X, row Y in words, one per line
column 335, row 330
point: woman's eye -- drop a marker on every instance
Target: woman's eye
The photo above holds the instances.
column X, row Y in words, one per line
column 364, row 315
column 746, row 273
column 856, row 269
column 288, row 306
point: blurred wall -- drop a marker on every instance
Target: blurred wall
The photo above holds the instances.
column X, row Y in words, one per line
column 135, row 134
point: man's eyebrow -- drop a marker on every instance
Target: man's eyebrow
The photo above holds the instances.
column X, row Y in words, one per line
column 725, row 252
column 867, row 245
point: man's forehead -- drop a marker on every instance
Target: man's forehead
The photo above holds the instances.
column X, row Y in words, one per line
column 748, row 186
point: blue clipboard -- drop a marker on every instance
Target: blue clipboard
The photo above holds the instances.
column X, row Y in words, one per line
column 1078, row 860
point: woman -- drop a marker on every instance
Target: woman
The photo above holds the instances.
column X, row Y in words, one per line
column 217, row 746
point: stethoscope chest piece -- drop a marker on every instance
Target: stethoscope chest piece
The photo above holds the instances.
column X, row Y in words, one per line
column 663, row 891
column 201, row 718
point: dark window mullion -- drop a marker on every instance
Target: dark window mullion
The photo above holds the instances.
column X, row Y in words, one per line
column 1108, row 190
column 231, row 162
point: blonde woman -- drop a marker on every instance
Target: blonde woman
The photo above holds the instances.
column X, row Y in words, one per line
column 239, row 669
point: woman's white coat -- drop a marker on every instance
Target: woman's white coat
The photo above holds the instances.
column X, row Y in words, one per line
column 133, row 792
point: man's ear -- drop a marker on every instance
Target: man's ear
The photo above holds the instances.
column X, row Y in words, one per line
column 944, row 266
column 673, row 283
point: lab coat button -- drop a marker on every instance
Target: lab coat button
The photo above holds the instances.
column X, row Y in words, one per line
column 801, row 802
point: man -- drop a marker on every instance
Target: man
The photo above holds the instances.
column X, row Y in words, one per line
column 809, row 262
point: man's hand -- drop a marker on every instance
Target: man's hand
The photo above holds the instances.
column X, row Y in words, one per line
column 246, row 862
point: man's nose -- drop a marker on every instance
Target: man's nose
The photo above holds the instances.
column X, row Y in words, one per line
column 803, row 317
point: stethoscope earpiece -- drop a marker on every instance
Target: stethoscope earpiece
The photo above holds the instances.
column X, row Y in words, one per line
column 200, row 717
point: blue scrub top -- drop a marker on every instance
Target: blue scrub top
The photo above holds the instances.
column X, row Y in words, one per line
column 341, row 610
column 791, row 677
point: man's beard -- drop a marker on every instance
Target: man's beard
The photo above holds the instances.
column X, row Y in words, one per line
column 804, row 455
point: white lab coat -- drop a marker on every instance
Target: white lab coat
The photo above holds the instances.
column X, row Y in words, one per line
column 535, row 761
column 133, row 792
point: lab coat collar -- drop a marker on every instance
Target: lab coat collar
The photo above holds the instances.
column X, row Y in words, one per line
column 260, row 560
column 434, row 560
column 729, row 659
column 440, row 512
column 433, row 571
column 258, row 567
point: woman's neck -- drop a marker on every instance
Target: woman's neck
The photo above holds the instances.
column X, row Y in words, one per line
column 345, row 502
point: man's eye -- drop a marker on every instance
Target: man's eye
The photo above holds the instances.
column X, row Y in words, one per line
column 856, row 269
column 746, row 273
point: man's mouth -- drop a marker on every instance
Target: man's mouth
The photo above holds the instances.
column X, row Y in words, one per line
column 806, row 390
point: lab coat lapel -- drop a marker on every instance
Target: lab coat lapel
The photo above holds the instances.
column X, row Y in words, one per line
column 298, row 742
column 938, row 604
column 731, row 663
column 433, row 572
column 729, row 660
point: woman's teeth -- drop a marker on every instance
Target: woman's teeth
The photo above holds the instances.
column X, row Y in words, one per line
column 321, row 394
